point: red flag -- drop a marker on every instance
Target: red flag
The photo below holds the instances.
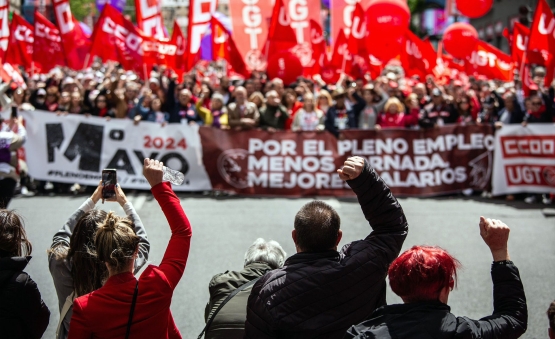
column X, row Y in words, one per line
column 419, row 58
column 541, row 39
column 489, row 61
column 74, row 40
column 9, row 73
column 20, row 48
column 47, row 47
column 358, row 32
column 4, row 28
column 300, row 13
column 116, row 38
column 250, row 21
column 318, row 47
column 341, row 14
column 223, row 47
column 281, row 36
column 149, row 18
column 179, row 41
column 200, row 14
column 341, row 57
column 519, row 40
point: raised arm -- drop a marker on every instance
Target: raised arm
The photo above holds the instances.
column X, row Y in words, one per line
column 177, row 252
column 510, row 315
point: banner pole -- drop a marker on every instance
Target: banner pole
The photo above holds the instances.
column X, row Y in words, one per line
column 144, row 71
column 87, row 57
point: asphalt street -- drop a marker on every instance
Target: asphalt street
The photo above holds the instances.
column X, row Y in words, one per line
column 223, row 228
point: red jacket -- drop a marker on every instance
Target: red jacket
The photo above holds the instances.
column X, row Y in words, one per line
column 401, row 119
column 104, row 313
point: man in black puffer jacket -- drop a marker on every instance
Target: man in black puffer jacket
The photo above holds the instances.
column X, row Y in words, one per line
column 320, row 292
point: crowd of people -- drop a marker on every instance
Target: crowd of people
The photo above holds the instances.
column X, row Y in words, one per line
column 320, row 291
column 213, row 99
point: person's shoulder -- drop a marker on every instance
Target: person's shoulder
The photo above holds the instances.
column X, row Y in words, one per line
column 155, row 276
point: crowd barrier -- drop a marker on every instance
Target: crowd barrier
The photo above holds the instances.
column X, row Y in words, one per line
column 431, row 162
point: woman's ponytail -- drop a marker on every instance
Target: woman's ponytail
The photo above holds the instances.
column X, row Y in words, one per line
column 116, row 242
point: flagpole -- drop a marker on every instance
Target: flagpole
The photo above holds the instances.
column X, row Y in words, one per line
column 144, row 71
column 87, row 57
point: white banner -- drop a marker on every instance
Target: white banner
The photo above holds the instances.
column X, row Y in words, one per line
column 524, row 160
column 75, row 149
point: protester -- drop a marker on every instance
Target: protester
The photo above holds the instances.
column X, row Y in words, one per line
column 369, row 115
column 394, row 114
column 308, row 118
column 438, row 112
column 106, row 312
column 229, row 323
column 325, row 101
column 465, row 111
column 292, row 104
column 423, row 277
column 23, row 314
column 182, row 109
column 72, row 261
column 257, row 98
column 339, row 116
column 511, row 113
column 320, row 291
column 243, row 115
column 273, row 115
column 12, row 137
column 218, row 115
column 551, row 318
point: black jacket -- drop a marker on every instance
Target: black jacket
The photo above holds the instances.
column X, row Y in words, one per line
column 320, row 295
column 23, row 314
column 431, row 114
column 433, row 319
column 332, row 123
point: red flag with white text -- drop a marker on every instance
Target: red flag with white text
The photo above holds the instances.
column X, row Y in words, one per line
column 47, row 47
column 519, row 40
column 224, row 48
column 488, row 61
column 75, row 42
column 281, row 35
column 419, row 58
column 116, row 38
column 20, row 47
column 358, row 32
column 341, row 57
column 300, row 13
column 149, row 18
column 250, row 21
column 318, row 47
column 200, row 14
column 541, row 39
column 341, row 15
column 4, row 28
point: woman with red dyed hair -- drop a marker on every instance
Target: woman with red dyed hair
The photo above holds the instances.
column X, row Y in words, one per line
column 423, row 277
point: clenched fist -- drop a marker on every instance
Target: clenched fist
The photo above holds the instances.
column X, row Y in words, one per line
column 153, row 170
column 351, row 169
column 496, row 235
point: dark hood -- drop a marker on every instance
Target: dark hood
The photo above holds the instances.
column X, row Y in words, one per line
column 10, row 265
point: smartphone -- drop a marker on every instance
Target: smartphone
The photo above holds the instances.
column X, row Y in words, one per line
column 14, row 112
column 109, row 181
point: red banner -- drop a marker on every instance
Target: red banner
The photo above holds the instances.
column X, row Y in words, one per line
column 47, row 47
column 224, row 47
column 149, row 18
column 74, row 40
column 250, row 20
column 412, row 163
column 490, row 62
column 4, row 28
column 341, row 14
column 519, row 40
column 200, row 13
column 281, row 36
column 178, row 40
column 20, row 51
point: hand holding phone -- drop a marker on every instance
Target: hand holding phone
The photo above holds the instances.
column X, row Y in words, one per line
column 109, row 181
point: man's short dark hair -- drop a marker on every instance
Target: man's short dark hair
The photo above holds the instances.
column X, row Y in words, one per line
column 317, row 225
column 551, row 316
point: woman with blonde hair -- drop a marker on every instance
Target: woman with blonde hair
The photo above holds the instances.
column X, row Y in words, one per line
column 126, row 307
column 308, row 118
column 257, row 98
column 394, row 115
column 324, row 101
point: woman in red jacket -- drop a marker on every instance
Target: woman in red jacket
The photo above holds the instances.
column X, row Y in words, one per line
column 111, row 311
column 394, row 115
